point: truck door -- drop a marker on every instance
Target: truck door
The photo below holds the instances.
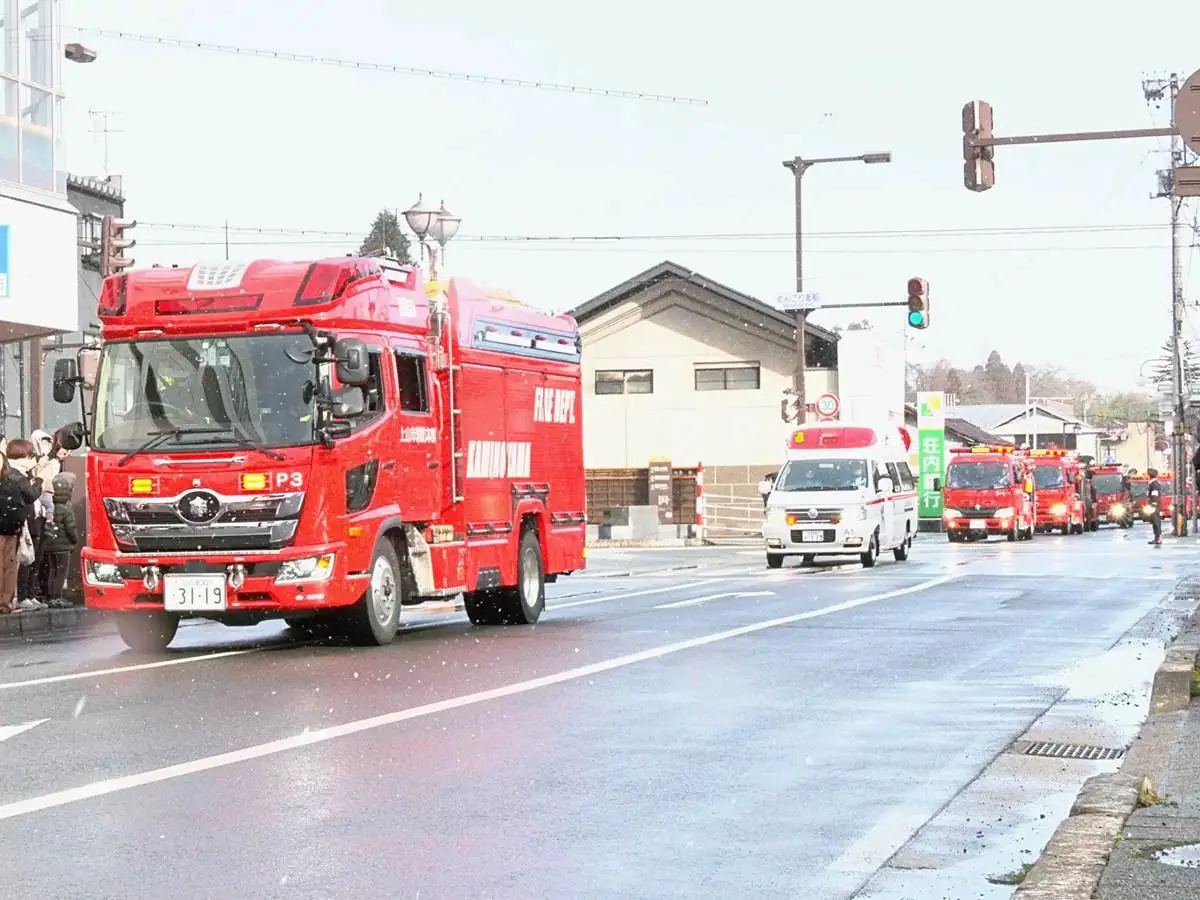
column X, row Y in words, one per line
column 418, row 449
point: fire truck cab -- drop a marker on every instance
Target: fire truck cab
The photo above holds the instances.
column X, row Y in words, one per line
column 987, row 492
column 1057, row 488
column 1114, row 497
column 326, row 442
column 844, row 490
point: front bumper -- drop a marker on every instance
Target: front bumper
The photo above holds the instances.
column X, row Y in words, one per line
column 823, row 539
column 256, row 585
column 992, row 526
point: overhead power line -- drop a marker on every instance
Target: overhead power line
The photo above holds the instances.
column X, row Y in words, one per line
column 692, row 236
column 287, row 56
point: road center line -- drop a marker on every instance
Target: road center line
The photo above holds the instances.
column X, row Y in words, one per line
column 139, row 667
column 308, row 738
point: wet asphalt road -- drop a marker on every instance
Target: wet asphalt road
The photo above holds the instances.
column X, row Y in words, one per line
column 680, row 724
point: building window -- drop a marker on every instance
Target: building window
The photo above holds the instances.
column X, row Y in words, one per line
column 625, row 381
column 30, row 74
column 736, row 377
column 87, row 230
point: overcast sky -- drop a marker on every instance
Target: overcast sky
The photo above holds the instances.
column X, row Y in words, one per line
column 202, row 137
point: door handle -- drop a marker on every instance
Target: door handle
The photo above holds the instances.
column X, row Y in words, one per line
column 433, row 464
column 389, row 465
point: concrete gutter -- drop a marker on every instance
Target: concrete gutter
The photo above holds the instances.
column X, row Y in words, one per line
column 50, row 621
column 1073, row 862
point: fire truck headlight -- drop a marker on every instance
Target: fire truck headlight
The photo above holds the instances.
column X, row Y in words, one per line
column 1007, row 513
column 1058, row 509
column 99, row 573
column 1117, row 509
column 854, row 514
column 1148, row 510
column 951, row 514
column 310, row 569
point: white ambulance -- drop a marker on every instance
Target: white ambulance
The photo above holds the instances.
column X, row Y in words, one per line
column 845, row 490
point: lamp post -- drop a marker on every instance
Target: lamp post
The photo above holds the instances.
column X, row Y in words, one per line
column 432, row 226
column 798, row 166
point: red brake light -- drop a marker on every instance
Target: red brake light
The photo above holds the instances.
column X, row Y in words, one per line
column 181, row 306
column 326, row 281
column 111, row 301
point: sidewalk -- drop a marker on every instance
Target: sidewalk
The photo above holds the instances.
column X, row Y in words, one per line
column 49, row 621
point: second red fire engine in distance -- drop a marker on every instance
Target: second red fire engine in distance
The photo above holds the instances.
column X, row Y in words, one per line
column 987, row 491
column 329, row 442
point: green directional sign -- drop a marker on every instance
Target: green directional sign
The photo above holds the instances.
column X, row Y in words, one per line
column 931, row 452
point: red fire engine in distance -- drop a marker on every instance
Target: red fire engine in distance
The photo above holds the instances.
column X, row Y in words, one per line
column 1114, row 499
column 986, row 492
column 326, row 442
column 1057, row 489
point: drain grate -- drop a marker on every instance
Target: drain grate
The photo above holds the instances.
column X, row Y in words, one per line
column 1068, row 751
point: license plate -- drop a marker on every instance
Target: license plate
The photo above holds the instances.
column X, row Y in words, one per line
column 980, row 524
column 812, row 537
column 194, row 593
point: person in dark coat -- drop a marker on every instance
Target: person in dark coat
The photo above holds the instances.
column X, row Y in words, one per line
column 62, row 544
column 1154, row 498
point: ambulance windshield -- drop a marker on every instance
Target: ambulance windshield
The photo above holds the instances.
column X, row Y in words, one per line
column 211, row 391
column 1048, row 476
column 823, row 475
column 979, row 476
column 1107, row 484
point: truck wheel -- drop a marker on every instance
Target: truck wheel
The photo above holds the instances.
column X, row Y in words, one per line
column 774, row 560
column 871, row 556
column 1066, row 529
column 149, row 632
column 375, row 618
column 520, row 605
column 901, row 552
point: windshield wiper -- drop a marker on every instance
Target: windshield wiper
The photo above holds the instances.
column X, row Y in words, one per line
column 244, row 440
column 159, row 437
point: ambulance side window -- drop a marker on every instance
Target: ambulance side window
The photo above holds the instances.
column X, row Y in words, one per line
column 894, row 474
column 414, row 387
column 907, row 483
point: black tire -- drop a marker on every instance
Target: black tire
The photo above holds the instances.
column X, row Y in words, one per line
column 774, row 560
column 1014, row 535
column 1066, row 529
column 901, row 552
column 147, row 632
column 519, row 605
column 954, row 537
column 1030, row 532
column 871, row 555
column 375, row 618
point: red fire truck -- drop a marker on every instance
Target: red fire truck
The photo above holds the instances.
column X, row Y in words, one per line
column 1057, row 489
column 986, row 493
column 1114, row 499
column 325, row 442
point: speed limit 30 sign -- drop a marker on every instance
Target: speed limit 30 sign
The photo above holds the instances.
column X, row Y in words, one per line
column 828, row 407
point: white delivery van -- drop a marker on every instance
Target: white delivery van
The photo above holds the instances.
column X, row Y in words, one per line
column 844, row 490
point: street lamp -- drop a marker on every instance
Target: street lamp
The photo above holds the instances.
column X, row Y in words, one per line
column 427, row 223
column 78, row 53
column 798, row 166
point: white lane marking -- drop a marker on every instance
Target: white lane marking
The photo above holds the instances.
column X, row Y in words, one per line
column 320, row 736
column 696, row 601
column 878, row 845
column 11, row 731
column 623, row 595
column 97, row 673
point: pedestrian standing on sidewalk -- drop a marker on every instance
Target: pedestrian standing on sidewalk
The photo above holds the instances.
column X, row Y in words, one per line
column 1154, row 498
column 17, row 494
column 22, row 460
column 59, row 547
column 766, row 486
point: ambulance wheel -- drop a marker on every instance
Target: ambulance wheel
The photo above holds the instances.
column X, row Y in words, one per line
column 871, row 556
column 901, row 552
column 375, row 618
column 150, row 632
column 520, row 605
column 774, row 560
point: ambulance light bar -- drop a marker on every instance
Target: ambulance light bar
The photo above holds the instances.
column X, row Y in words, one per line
column 837, row 437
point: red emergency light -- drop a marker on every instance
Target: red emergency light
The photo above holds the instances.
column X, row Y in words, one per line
column 1047, row 453
column 111, row 301
column 845, row 438
column 981, row 448
column 326, row 281
column 183, row 306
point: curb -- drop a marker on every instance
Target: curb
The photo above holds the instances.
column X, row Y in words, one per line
column 1073, row 862
column 676, row 542
column 49, row 621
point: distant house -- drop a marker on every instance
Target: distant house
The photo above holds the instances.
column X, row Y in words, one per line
column 1040, row 425
column 959, row 432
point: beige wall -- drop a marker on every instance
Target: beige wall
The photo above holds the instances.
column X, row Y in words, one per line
column 717, row 428
column 1138, row 451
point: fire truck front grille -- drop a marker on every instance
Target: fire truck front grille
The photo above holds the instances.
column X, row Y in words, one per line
column 983, row 512
column 209, row 523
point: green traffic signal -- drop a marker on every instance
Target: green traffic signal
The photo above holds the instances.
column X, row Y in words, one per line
column 916, row 319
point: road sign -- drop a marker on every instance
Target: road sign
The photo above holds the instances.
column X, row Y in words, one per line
column 1187, row 112
column 828, row 406
column 798, row 302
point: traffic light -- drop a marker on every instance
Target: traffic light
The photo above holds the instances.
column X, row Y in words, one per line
column 979, row 172
column 918, row 303
column 113, row 245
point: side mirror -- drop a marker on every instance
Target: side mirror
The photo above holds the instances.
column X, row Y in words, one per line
column 70, row 437
column 65, row 375
column 937, row 484
column 348, row 403
column 336, row 431
column 89, row 366
column 351, row 363
column 885, row 485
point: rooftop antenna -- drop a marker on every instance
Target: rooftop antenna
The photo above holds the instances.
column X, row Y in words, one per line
column 100, row 126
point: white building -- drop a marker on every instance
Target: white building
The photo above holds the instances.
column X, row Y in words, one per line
column 38, row 254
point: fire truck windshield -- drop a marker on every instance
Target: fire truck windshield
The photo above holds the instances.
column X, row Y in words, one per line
column 1141, row 488
column 823, row 475
column 979, row 476
column 199, row 386
column 1048, row 477
column 1107, row 484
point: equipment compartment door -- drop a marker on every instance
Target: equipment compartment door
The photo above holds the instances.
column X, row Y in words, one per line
column 419, row 448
